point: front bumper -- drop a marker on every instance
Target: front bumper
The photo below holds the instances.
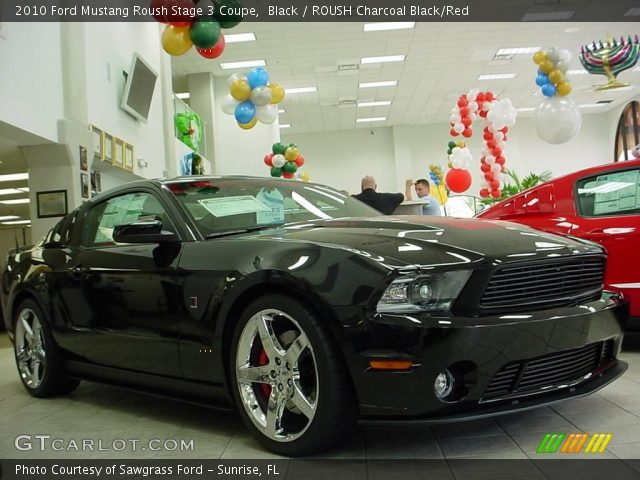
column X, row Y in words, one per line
column 480, row 347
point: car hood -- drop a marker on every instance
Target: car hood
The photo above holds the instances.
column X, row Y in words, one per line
column 430, row 241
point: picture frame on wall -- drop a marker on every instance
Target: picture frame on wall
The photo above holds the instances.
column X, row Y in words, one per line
column 98, row 143
column 84, row 184
column 129, row 155
column 51, row 203
column 84, row 164
column 108, row 148
column 118, row 152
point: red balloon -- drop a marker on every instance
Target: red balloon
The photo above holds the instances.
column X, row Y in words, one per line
column 464, row 111
column 488, row 176
column 288, row 175
column 504, row 139
column 483, row 159
column 215, row 51
column 496, row 193
column 494, row 184
column 496, row 152
column 480, row 97
column 483, row 113
column 484, row 193
column 463, row 102
column 299, row 161
column 268, row 160
column 458, row 180
column 485, row 168
column 487, row 135
column 500, row 160
column 488, row 96
column 453, row 133
column 504, row 130
column 467, row 132
column 491, row 143
column 466, row 121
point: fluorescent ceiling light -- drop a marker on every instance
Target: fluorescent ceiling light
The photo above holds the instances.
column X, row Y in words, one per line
column 183, row 96
column 497, row 76
column 515, row 51
column 592, row 105
column 15, row 201
column 371, row 119
column 239, row 37
column 526, row 109
column 8, row 217
column 17, row 222
column 247, row 64
column 374, row 104
column 383, row 59
column 379, row 26
column 632, row 12
column 301, row 90
column 580, row 71
column 281, row 110
column 14, row 177
column 11, row 191
column 389, row 83
column 285, row 125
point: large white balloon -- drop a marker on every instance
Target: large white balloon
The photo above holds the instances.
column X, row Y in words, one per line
column 558, row 120
column 229, row 104
column 267, row 114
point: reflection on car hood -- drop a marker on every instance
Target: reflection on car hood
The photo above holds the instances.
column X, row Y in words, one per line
column 425, row 241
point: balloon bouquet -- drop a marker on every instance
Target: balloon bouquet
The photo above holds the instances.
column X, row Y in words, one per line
column 185, row 30
column 557, row 118
column 435, row 175
column 499, row 116
column 285, row 161
column 252, row 98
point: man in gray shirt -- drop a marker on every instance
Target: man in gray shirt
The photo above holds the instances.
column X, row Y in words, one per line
column 431, row 204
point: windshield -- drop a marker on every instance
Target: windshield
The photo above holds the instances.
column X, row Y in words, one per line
column 222, row 205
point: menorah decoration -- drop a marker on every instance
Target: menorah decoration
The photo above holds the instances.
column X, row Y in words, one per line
column 610, row 59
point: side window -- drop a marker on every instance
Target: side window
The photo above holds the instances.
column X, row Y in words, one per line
column 615, row 193
column 103, row 217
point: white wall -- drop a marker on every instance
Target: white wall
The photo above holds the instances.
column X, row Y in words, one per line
column 31, row 77
column 109, row 49
column 8, row 238
column 393, row 154
column 341, row 159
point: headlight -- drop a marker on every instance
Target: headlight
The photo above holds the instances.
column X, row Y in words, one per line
column 423, row 293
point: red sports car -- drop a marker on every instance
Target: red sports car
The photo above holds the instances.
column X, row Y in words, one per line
column 601, row 204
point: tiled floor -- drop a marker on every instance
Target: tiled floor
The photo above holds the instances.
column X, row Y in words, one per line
column 113, row 415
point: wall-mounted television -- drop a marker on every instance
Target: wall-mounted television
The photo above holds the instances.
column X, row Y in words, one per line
column 138, row 90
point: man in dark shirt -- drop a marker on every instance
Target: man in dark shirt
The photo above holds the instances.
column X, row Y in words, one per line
column 384, row 202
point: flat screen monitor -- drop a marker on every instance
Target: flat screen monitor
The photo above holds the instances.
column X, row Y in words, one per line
column 138, row 90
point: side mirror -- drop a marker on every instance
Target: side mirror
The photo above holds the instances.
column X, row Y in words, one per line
column 147, row 231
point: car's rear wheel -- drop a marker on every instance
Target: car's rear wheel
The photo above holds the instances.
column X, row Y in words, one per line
column 289, row 380
column 38, row 358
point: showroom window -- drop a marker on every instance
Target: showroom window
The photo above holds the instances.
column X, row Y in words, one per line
column 628, row 132
column 101, row 219
column 616, row 193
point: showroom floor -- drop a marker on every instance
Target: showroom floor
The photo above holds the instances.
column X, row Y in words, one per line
column 107, row 413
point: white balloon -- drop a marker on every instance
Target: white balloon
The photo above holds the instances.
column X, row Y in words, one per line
column 278, row 160
column 261, row 96
column 499, row 176
column 472, row 94
column 229, row 104
column 472, row 106
column 267, row 113
column 553, row 54
column 563, row 65
column 498, row 137
column 495, row 168
column 565, row 55
column 489, row 159
column 458, row 127
column 558, row 120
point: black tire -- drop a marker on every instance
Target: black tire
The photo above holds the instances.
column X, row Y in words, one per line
column 52, row 379
column 335, row 408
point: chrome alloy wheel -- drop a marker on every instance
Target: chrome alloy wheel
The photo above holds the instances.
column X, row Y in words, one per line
column 277, row 375
column 30, row 348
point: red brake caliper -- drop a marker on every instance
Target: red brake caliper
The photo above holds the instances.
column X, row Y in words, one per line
column 264, row 360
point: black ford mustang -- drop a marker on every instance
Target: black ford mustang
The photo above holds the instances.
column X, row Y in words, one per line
column 306, row 309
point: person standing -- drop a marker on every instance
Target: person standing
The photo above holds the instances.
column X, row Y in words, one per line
column 423, row 191
column 383, row 202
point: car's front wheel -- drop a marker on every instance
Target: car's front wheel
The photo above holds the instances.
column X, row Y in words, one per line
column 289, row 380
column 38, row 358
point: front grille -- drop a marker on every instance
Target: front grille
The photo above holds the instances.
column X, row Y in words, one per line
column 555, row 369
column 550, row 284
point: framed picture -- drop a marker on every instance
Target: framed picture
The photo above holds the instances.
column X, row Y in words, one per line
column 118, row 152
column 84, row 164
column 84, row 184
column 98, row 143
column 129, row 155
column 52, row 203
column 108, row 147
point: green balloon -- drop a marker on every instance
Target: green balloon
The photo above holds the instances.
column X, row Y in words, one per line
column 279, row 148
column 449, row 151
column 276, row 171
column 232, row 16
column 290, row 167
column 205, row 32
column 452, row 144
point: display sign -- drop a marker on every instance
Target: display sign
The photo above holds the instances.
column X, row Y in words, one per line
column 227, row 206
column 616, row 192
